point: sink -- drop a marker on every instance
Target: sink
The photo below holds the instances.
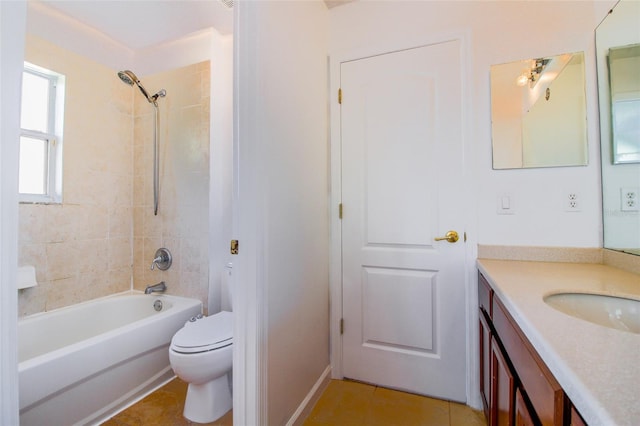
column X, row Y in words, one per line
column 619, row 313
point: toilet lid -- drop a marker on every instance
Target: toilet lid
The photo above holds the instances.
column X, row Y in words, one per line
column 205, row 334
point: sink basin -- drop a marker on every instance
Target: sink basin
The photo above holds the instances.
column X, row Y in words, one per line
column 610, row 311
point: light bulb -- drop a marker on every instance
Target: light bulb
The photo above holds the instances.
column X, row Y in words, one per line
column 522, row 80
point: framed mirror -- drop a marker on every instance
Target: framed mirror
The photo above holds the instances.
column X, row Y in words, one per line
column 538, row 112
column 618, row 66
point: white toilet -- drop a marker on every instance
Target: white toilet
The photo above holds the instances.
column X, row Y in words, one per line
column 201, row 354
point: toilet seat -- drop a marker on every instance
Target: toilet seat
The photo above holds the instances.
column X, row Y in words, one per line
column 204, row 334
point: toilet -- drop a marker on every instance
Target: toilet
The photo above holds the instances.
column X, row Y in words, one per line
column 201, row 354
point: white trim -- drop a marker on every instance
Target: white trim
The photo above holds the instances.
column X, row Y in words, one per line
column 52, row 136
column 12, row 29
column 335, row 60
column 249, row 355
column 220, row 166
column 335, row 243
column 471, row 226
column 305, row 407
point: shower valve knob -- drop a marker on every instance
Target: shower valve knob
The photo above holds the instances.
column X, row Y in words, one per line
column 162, row 259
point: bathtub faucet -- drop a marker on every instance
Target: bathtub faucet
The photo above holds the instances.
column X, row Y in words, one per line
column 156, row 288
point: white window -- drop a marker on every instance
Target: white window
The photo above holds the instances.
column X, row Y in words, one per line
column 41, row 118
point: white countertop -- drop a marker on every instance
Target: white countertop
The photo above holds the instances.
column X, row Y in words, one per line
column 598, row 367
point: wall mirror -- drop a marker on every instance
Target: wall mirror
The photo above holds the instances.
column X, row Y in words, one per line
column 538, row 112
column 618, row 66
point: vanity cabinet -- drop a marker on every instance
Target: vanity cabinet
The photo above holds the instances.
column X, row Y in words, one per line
column 502, row 397
column 516, row 386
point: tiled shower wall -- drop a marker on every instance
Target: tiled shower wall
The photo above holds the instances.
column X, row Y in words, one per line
column 81, row 249
column 103, row 236
column 182, row 222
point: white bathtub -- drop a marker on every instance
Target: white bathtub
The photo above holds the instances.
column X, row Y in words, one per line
column 84, row 363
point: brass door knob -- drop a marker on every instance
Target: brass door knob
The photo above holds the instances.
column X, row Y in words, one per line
column 452, row 237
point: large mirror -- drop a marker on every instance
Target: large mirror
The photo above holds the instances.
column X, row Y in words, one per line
column 618, row 62
column 538, row 112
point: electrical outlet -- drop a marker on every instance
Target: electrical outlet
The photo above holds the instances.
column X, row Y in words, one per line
column 629, row 199
column 572, row 202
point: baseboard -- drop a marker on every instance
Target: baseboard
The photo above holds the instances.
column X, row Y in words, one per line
column 310, row 400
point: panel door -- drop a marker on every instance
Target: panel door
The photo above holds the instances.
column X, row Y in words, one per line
column 502, row 389
column 402, row 173
column 485, row 363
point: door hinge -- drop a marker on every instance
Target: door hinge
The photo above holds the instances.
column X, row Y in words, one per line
column 341, row 325
column 340, row 210
column 465, row 236
column 234, row 247
column 340, row 96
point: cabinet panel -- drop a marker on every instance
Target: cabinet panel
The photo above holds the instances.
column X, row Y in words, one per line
column 502, row 389
column 524, row 417
column 485, row 363
column 485, row 294
column 576, row 419
column 544, row 392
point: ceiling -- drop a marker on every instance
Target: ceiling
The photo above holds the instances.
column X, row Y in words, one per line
column 143, row 23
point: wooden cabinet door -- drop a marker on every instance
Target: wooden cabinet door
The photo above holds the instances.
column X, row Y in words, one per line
column 576, row 419
column 523, row 415
column 502, row 389
column 485, row 363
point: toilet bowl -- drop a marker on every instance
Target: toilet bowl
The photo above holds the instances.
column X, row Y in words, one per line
column 201, row 354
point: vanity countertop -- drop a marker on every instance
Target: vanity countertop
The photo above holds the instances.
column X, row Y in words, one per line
column 598, row 367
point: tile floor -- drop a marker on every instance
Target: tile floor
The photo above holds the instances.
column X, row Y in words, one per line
column 351, row 403
column 343, row 403
column 162, row 408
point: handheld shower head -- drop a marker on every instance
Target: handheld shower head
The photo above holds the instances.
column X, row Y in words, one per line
column 130, row 78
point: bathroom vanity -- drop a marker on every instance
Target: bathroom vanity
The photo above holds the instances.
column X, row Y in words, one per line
column 539, row 365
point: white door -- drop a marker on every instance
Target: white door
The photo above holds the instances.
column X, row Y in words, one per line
column 402, row 154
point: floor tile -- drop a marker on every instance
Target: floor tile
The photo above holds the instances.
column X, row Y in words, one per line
column 352, row 403
column 162, row 408
column 463, row 415
column 343, row 403
column 400, row 408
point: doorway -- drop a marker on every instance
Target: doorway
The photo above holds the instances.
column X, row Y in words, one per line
column 402, row 269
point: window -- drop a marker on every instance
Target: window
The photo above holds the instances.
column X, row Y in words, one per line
column 40, row 178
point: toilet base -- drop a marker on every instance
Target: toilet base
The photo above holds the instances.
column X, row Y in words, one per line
column 209, row 401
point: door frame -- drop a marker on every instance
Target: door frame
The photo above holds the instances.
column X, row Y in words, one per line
column 335, row 272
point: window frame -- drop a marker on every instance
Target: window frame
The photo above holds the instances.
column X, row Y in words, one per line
column 52, row 137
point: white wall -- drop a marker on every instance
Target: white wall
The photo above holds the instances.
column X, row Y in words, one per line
column 500, row 32
column 221, row 164
column 12, row 26
column 281, row 286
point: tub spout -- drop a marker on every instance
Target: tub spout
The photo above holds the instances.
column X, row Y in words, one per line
column 156, row 288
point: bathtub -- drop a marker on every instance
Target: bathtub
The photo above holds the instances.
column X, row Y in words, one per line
column 82, row 364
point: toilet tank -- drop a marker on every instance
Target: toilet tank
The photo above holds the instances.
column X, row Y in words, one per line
column 226, row 296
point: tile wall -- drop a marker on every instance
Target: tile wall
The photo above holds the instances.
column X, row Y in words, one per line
column 81, row 249
column 102, row 238
column 182, row 222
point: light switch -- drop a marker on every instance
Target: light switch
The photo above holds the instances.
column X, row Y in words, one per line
column 506, row 203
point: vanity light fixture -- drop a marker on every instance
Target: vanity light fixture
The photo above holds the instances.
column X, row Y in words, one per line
column 533, row 74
